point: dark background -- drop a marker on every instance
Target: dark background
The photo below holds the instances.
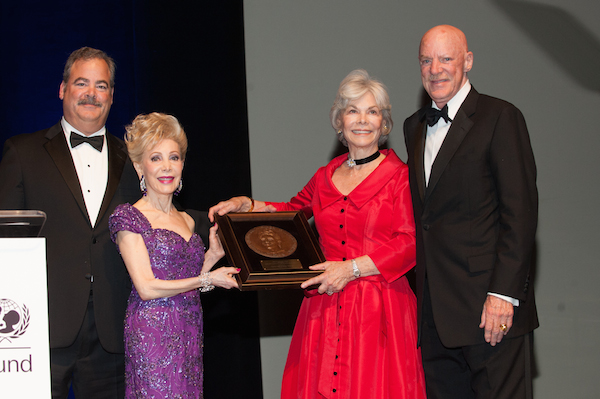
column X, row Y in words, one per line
column 184, row 58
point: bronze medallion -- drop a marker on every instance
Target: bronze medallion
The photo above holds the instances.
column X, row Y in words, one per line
column 271, row 241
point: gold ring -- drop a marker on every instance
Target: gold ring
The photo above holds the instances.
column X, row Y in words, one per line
column 503, row 327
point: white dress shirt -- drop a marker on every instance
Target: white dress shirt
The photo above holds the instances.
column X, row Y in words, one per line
column 92, row 169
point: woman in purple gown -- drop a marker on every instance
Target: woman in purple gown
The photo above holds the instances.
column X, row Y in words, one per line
column 167, row 265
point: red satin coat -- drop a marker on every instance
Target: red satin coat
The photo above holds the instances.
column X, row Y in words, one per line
column 361, row 342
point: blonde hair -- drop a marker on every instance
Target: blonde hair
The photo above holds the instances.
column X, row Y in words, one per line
column 353, row 87
column 147, row 130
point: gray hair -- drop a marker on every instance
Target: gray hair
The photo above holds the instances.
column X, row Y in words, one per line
column 86, row 54
column 353, row 87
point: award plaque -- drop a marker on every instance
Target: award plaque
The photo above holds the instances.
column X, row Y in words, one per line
column 273, row 250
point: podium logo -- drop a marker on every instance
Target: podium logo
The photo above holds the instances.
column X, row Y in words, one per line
column 14, row 320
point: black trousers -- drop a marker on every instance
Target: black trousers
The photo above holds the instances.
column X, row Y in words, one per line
column 93, row 372
column 477, row 371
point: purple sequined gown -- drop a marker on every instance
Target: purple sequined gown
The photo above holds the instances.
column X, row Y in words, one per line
column 163, row 337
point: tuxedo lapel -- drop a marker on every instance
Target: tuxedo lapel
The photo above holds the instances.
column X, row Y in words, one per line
column 116, row 162
column 58, row 150
column 456, row 134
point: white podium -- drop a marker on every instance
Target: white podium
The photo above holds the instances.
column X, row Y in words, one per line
column 24, row 343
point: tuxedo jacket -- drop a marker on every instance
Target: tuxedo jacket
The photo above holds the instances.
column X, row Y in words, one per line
column 37, row 172
column 476, row 219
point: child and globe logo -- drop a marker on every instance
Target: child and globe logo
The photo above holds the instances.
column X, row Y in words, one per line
column 14, row 320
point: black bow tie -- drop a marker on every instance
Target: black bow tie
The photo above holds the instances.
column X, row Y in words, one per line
column 97, row 141
column 433, row 115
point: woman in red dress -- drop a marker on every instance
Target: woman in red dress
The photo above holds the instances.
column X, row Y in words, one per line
column 356, row 335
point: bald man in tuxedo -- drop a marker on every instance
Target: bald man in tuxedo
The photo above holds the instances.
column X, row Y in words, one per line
column 473, row 183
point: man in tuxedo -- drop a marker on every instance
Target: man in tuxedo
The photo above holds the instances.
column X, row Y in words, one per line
column 473, row 183
column 78, row 173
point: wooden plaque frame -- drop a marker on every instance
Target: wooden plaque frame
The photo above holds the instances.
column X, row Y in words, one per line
column 264, row 272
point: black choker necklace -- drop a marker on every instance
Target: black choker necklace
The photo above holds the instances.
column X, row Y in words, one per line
column 353, row 162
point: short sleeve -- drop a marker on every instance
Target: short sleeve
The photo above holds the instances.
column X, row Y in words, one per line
column 127, row 218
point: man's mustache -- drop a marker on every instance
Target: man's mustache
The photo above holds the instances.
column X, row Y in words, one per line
column 89, row 100
column 436, row 77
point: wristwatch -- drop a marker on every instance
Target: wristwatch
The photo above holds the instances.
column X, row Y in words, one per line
column 355, row 269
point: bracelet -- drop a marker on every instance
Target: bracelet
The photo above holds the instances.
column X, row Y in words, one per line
column 355, row 269
column 205, row 282
column 251, row 205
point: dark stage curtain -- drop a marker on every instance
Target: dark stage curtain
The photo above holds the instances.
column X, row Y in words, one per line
column 185, row 58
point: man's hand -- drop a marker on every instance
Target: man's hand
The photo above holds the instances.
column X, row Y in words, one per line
column 496, row 313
